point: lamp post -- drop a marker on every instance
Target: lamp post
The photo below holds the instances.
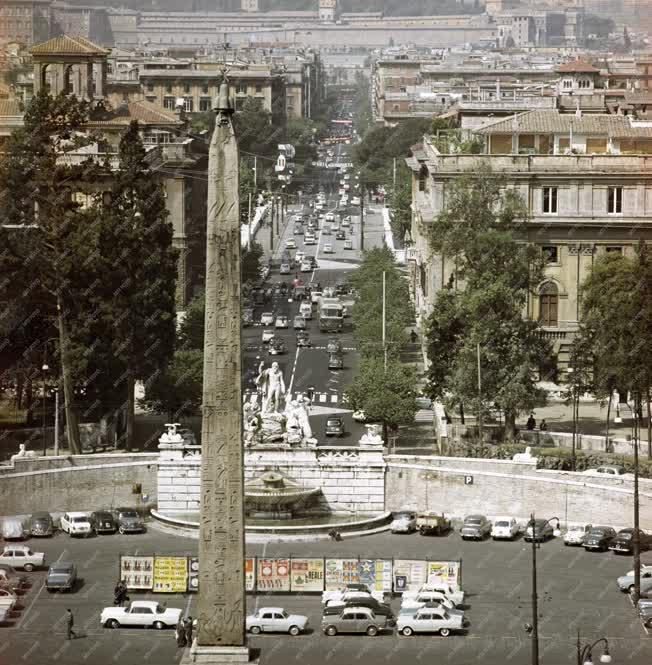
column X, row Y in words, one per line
column 585, row 653
column 44, row 368
column 534, row 629
column 637, row 541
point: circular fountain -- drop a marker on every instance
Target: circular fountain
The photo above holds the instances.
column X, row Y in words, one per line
column 276, row 497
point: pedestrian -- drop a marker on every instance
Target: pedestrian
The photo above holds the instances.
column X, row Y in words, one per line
column 531, row 423
column 189, row 628
column 414, row 337
column 180, row 633
column 543, row 425
column 70, row 622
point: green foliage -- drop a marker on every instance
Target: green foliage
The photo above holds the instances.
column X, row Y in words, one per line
column 386, row 395
column 483, row 302
column 362, row 117
column 399, row 201
column 254, row 129
column 190, row 334
column 252, row 262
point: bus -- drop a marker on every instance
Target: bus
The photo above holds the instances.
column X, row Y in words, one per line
column 331, row 315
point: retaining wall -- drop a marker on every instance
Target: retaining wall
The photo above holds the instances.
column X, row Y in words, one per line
column 459, row 486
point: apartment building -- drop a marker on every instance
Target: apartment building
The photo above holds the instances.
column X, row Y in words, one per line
column 587, row 182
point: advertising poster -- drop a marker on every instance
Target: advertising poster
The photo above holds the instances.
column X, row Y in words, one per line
column 137, row 571
column 409, row 574
column 273, row 575
column 340, row 572
column 193, row 573
column 376, row 574
column 250, row 574
column 170, row 574
column 443, row 571
column 307, row 575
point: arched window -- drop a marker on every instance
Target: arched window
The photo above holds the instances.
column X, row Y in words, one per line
column 548, row 305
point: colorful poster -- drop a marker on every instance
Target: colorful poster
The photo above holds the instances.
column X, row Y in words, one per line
column 137, row 571
column 409, row 574
column 340, row 572
column 376, row 574
column 273, row 575
column 170, row 574
column 307, row 575
column 193, row 573
column 250, row 574
column 444, row 571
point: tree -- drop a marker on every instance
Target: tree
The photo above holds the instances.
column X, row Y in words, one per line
column 483, row 303
column 385, row 394
column 252, row 260
column 254, row 129
column 399, row 202
column 48, row 260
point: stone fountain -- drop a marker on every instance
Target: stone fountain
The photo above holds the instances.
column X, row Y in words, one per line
column 274, row 496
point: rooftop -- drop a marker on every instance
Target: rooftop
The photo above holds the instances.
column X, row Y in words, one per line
column 577, row 67
column 68, row 45
column 145, row 113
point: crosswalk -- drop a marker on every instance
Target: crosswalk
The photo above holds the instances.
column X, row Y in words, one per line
column 324, row 399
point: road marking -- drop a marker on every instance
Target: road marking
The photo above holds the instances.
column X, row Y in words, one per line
column 322, row 397
column 294, row 369
column 333, row 399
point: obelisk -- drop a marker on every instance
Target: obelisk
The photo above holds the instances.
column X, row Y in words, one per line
column 220, row 636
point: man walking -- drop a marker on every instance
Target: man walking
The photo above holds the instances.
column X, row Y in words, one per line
column 188, row 631
column 70, row 622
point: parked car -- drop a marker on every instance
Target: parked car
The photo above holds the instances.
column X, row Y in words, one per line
column 359, row 416
column 103, row 521
column 334, row 427
column 646, row 589
column 354, row 620
column 626, row 582
column 129, row 521
column 10, row 579
column 540, row 531
column 267, row 319
column 432, row 523
column 299, row 323
column 303, row 338
column 276, row 347
column 21, row 556
column 335, row 361
column 599, row 538
column 328, row 248
column 645, row 613
column 611, row 470
column 281, row 322
column 40, row 524
column 13, row 529
column 348, row 244
column 380, row 609
column 141, row 613
column 285, row 269
column 8, row 600
column 75, row 524
column 61, row 577
column 429, row 620
column 404, row 521
column 505, row 528
column 451, row 591
column 442, row 601
column 276, row 620
column 475, row 527
column 290, row 243
column 623, row 543
column 576, row 533
column 4, row 613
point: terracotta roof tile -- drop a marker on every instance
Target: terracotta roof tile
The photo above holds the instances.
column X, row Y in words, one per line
column 577, row 66
column 68, row 45
column 145, row 112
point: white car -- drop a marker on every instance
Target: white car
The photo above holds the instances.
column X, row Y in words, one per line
column 330, row 216
column 429, row 620
column 449, row 590
column 285, row 269
column 299, row 256
column 21, row 556
column 315, row 297
column 142, row 613
column 3, row 614
column 8, row 599
column 267, row 319
column 281, row 322
column 276, row 620
column 309, row 240
column 415, row 602
column 75, row 524
column 348, row 244
column 446, row 603
column 404, row 521
column 328, row 248
column 346, row 222
column 306, row 266
column 305, row 310
column 338, row 597
column 505, row 528
column 576, row 533
column 290, row 243
column 615, row 471
column 267, row 335
column 359, row 416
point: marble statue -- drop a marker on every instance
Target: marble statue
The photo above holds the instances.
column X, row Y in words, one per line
column 171, row 436
column 524, row 457
column 23, row 452
column 372, row 437
column 273, row 384
column 297, row 424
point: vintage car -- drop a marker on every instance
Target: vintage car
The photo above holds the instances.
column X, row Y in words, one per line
column 432, row 523
column 129, row 521
column 475, row 527
column 75, row 524
column 102, row 521
column 403, row 521
column 540, row 531
column 281, row 322
column 40, row 524
column 576, row 533
column 61, row 577
column 10, row 579
column 276, row 346
column 267, row 319
column 22, row 557
column 599, row 538
column 276, row 620
column 505, row 528
column 141, row 613
column 334, row 346
column 340, row 594
column 335, row 361
column 380, row 609
column 626, row 582
column 354, row 620
column 8, row 599
column 13, row 529
column 267, row 335
column 623, row 543
column 429, row 620
column 303, row 338
column 334, row 427
column 450, row 591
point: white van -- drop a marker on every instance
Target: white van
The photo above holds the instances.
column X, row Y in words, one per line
column 12, row 529
column 305, row 310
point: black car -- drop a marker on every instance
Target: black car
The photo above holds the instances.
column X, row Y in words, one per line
column 41, row 524
column 129, row 521
column 334, row 427
column 102, row 521
column 335, row 361
column 623, row 543
column 599, row 538
column 61, row 577
column 340, row 235
column 542, row 531
column 380, row 609
column 303, row 338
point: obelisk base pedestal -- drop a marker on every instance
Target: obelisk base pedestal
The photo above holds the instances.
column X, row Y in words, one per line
column 203, row 655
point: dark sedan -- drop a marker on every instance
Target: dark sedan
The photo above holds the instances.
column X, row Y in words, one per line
column 599, row 538
column 103, row 521
column 542, row 530
column 61, row 577
column 334, row 427
column 623, row 543
column 41, row 524
column 129, row 521
column 380, row 609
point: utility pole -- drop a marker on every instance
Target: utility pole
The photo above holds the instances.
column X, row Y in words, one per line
column 480, row 432
column 535, row 609
column 394, row 173
column 637, row 540
column 271, row 224
column 361, row 216
column 255, row 173
column 384, row 323
column 249, row 225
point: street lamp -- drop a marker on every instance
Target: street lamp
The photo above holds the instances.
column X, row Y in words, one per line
column 585, row 655
column 637, row 538
column 44, row 368
column 534, row 628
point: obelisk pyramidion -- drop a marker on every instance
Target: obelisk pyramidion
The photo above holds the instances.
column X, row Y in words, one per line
column 220, row 634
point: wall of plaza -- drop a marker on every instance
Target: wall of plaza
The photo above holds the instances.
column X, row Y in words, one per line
column 77, row 482
column 459, row 486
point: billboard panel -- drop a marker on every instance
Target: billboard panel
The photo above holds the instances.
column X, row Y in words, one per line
column 409, row 574
column 250, row 574
column 273, row 575
column 376, row 574
column 444, row 571
column 137, row 571
column 340, row 572
column 307, row 575
column 170, row 574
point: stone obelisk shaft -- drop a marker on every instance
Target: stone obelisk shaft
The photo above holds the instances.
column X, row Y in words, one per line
column 221, row 599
